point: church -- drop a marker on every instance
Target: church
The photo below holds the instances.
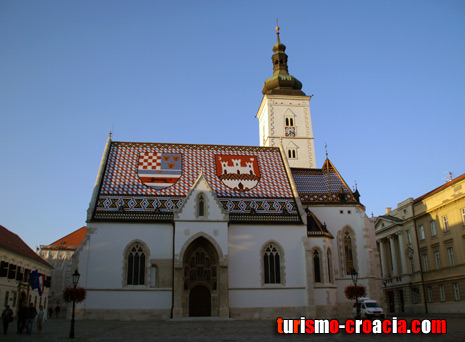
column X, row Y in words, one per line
column 243, row 232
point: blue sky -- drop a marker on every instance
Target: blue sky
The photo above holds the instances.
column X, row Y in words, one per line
column 388, row 79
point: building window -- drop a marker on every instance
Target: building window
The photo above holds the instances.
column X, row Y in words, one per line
column 412, row 265
column 438, row 259
column 422, row 232
column 201, row 206
column 456, row 291
column 429, row 292
column 330, row 266
column 442, row 294
column 432, row 225
column 414, row 295
column 425, row 262
column 292, row 153
column 409, row 238
column 348, row 256
column 316, row 267
column 462, row 211
column 135, row 265
column 450, row 253
column 445, row 223
column 272, row 264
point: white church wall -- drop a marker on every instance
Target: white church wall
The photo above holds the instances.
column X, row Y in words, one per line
column 246, row 270
column 107, row 246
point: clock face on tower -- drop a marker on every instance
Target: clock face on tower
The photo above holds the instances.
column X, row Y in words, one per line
column 289, row 131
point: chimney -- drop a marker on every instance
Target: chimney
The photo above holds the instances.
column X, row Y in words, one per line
column 388, row 210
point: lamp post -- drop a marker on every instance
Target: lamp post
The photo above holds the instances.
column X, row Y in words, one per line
column 354, row 275
column 76, row 276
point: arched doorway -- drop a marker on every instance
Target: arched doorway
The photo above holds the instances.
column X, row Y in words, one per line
column 199, row 301
column 201, row 279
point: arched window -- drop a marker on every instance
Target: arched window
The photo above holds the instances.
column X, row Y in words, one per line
column 291, row 153
column 271, row 264
column 135, row 265
column 330, row 265
column 348, row 256
column 316, row 267
column 201, row 206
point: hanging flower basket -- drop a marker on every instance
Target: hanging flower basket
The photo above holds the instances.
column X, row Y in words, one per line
column 71, row 293
column 353, row 291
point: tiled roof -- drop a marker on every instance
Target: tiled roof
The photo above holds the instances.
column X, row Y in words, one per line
column 14, row 243
column 315, row 228
column 148, row 181
column 442, row 187
column 323, row 185
column 71, row 240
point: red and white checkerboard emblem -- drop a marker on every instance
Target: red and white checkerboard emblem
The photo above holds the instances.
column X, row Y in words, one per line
column 159, row 170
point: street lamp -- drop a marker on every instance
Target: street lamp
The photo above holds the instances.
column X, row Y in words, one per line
column 354, row 276
column 76, row 276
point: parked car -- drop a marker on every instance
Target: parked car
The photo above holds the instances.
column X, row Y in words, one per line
column 369, row 308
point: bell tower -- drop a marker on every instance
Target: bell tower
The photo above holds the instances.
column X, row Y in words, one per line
column 284, row 114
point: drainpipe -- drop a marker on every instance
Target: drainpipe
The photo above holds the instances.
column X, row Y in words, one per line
column 419, row 259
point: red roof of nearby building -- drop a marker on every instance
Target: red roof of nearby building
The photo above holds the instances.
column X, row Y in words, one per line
column 442, row 187
column 14, row 243
column 72, row 240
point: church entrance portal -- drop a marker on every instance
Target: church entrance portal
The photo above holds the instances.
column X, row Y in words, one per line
column 201, row 279
column 199, row 301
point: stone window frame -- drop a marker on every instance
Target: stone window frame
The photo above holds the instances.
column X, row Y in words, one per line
column 344, row 263
column 199, row 197
column 432, row 226
column 437, row 259
column 282, row 268
column 147, row 265
column 442, row 293
column 329, row 265
column 320, row 255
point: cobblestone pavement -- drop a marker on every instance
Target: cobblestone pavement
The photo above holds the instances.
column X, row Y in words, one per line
column 211, row 330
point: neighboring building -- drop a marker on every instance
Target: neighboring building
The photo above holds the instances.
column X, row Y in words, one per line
column 17, row 263
column 400, row 268
column 58, row 254
column 440, row 214
column 422, row 248
column 176, row 230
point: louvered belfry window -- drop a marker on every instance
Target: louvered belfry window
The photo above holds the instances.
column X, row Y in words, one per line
column 136, row 265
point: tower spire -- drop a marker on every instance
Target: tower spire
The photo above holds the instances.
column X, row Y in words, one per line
column 281, row 82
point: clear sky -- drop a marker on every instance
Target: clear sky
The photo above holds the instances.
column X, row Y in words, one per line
column 388, row 79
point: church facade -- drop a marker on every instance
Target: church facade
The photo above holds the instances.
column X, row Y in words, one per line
column 246, row 232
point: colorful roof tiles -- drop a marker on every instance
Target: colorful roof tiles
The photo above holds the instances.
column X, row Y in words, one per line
column 323, row 185
column 148, row 181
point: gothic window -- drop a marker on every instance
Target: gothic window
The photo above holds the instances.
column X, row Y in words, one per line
column 348, row 256
column 201, row 206
column 135, row 258
column 330, row 266
column 271, row 264
column 316, row 267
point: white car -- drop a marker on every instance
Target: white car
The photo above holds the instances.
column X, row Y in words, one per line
column 369, row 308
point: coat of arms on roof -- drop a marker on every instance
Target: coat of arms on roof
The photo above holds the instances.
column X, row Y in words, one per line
column 159, row 170
column 240, row 173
